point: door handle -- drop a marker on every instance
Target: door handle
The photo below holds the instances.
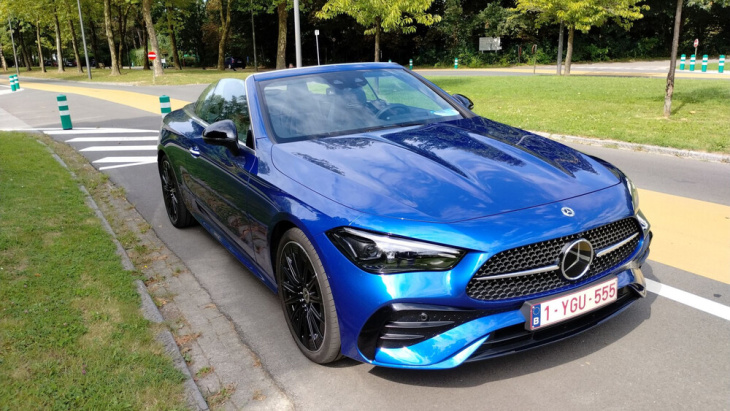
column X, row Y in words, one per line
column 194, row 151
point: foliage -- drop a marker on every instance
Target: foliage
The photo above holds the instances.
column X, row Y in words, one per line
column 389, row 15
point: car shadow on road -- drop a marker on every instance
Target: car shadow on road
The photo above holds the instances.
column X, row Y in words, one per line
column 531, row 361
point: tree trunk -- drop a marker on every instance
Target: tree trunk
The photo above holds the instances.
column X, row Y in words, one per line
column 79, row 66
column 2, row 59
column 41, row 63
column 225, row 31
column 59, row 54
column 146, row 65
column 94, row 42
column 110, row 39
column 560, row 48
column 673, row 61
column 281, row 44
column 23, row 51
column 377, row 39
column 173, row 40
column 122, row 35
column 569, row 53
column 147, row 14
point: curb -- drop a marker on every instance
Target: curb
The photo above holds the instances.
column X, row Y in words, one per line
column 149, row 309
column 693, row 155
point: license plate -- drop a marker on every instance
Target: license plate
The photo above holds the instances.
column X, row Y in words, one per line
column 548, row 312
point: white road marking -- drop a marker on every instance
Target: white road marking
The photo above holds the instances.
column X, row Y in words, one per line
column 95, row 131
column 128, row 165
column 691, row 300
column 128, row 161
column 119, row 148
column 109, row 139
column 142, row 159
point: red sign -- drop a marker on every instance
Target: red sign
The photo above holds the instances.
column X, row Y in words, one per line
column 697, row 42
column 151, row 55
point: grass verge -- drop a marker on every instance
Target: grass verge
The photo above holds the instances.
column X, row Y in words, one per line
column 71, row 332
column 139, row 77
column 618, row 108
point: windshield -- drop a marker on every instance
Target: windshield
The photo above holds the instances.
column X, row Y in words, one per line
column 344, row 102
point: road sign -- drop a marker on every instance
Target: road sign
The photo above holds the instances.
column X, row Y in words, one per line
column 697, row 42
column 151, row 55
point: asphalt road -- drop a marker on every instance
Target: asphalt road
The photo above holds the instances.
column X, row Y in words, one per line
column 659, row 354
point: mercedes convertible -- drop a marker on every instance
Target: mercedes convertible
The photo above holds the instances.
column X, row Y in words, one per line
column 396, row 226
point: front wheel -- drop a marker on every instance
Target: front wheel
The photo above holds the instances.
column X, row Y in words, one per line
column 176, row 211
column 306, row 298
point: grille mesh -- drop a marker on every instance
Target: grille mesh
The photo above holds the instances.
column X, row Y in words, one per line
column 546, row 253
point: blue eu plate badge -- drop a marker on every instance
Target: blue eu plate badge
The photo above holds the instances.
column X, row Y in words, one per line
column 536, row 316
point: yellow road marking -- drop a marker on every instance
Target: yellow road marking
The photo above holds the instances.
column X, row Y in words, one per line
column 141, row 101
column 689, row 234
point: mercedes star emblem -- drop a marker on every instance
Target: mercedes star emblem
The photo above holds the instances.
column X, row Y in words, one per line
column 575, row 259
column 567, row 211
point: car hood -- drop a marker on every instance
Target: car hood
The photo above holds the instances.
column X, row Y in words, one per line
column 442, row 172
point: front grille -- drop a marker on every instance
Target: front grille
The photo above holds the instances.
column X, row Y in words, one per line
column 516, row 338
column 546, row 253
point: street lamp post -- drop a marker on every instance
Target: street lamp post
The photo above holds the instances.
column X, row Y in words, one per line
column 83, row 38
column 316, row 37
column 297, row 34
column 15, row 54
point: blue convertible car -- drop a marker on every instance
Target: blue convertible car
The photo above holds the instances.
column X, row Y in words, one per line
column 397, row 227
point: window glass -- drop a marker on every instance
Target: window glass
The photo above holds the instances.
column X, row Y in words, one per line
column 234, row 105
column 336, row 103
column 204, row 96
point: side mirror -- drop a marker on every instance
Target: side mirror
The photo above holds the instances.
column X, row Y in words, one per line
column 463, row 100
column 222, row 133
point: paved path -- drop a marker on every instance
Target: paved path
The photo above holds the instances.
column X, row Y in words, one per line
column 671, row 350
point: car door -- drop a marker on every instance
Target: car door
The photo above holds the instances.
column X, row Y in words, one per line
column 221, row 175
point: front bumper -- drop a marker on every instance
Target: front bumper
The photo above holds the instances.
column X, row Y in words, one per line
column 488, row 336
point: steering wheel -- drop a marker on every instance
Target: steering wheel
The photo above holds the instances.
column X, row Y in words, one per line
column 396, row 108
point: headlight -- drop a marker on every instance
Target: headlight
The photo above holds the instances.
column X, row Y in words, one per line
column 384, row 254
column 634, row 192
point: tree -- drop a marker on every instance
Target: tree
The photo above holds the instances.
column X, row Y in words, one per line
column 59, row 53
column 382, row 16
column 110, row 38
column 582, row 15
column 149, row 24
column 675, row 45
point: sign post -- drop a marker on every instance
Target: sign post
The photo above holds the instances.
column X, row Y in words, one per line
column 152, row 56
column 697, row 43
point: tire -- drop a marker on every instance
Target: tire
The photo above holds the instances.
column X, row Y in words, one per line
column 306, row 298
column 178, row 214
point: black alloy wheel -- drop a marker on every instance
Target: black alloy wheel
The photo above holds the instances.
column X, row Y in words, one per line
column 177, row 212
column 306, row 298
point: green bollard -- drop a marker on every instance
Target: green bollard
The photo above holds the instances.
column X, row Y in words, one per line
column 13, row 86
column 410, row 64
column 704, row 63
column 692, row 63
column 682, row 61
column 456, row 64
column 17, row 83
column 63, row 111
column 721, row 65
column 165, row 105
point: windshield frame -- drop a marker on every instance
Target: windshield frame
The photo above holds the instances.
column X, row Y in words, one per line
column 266, row 115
